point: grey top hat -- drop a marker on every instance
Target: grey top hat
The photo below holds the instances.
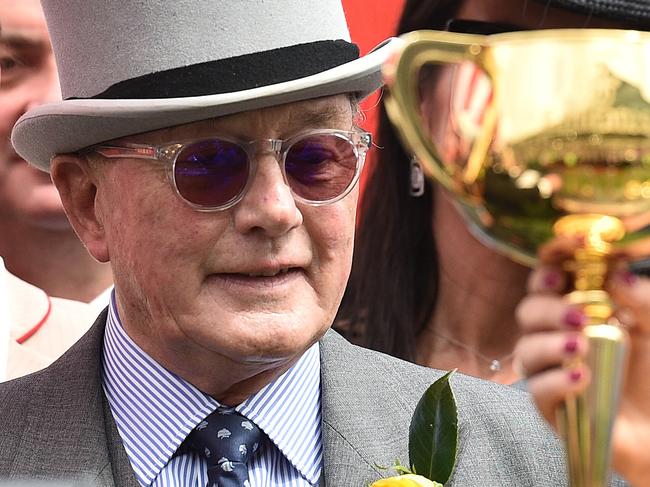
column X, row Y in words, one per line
column 131, row 66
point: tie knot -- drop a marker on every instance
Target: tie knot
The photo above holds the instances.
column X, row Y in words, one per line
column 226, row 440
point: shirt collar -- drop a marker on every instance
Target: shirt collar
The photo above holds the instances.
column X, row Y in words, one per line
column 288, row 410
column 155, row 409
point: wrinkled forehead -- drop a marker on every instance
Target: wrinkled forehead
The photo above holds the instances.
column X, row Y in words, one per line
column 279, row 121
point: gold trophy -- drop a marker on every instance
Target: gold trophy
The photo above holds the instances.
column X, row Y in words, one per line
column 541, row 135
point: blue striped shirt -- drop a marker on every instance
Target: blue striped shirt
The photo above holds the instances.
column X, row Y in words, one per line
column 155, row 410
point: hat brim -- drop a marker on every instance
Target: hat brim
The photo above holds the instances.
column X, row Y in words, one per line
column 71, row 125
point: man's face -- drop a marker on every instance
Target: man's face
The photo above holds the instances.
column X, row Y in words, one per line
column 258, row 283
column 28, row 79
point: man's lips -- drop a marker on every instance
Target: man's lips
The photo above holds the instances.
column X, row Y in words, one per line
column 266, row 272
column 265, row 278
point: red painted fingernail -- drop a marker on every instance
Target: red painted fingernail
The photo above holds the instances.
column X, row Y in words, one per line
column 551, row 279
column 571, row 345
column 575, row 318
column 628, row 278
column 575, row 375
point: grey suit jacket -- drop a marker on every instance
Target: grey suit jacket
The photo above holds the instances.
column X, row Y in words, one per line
column 56, row 424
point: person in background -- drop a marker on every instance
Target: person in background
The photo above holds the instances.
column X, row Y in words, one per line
column 422, row 287
column 217, row 172
column 54, row 288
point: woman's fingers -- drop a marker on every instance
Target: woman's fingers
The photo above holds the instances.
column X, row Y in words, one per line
column 560, row 249
column 547, row 279
column 539, row 352
column 545, row 312
column 550, row 350
column 551, row 388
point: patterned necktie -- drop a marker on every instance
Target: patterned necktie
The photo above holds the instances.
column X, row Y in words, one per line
column 227, row 440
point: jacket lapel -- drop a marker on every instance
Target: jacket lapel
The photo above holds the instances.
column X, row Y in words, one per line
column 362, row 431
column 120, row 464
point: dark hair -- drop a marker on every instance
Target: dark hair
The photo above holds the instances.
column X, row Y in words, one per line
column 393, row 285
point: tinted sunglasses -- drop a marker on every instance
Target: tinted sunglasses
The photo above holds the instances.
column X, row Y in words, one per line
column 212, row 174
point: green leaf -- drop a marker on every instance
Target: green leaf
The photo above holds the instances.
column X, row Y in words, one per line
column 433, row 435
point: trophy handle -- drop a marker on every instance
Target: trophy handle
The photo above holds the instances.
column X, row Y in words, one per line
column 400, row 74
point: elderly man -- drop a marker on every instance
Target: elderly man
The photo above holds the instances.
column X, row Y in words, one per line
column 208, row 151
column 51, row 280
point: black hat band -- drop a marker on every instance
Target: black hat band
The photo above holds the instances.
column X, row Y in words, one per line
column 236, row 73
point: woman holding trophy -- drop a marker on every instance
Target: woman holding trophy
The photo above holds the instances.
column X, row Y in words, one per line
column 422, row 287
column 541, row 141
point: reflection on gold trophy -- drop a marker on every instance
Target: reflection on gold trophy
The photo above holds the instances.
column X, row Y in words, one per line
column 546, row 135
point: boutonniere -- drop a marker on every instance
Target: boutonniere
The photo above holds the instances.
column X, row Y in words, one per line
column 433, row 440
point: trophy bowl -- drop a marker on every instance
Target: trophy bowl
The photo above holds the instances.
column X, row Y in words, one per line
column 541, row 135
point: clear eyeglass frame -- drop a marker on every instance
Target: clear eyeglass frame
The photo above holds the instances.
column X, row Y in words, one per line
column 168, row 153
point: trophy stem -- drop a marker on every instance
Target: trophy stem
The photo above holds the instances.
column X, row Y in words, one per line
column 586, row 421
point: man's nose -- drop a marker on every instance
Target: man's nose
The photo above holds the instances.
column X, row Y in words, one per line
column 268, row 205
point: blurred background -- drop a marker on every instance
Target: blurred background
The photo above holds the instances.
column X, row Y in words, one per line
column 370, row 22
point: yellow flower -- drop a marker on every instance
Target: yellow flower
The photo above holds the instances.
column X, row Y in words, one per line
column 409, row 480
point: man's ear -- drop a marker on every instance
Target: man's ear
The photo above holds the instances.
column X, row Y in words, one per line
column 76, row 182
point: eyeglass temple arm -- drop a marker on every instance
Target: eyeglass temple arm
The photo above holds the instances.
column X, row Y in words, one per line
column 134, row 151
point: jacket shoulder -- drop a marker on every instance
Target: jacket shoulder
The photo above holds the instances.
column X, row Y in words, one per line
column 17, row 398
column 502, row 438
column 52, row 423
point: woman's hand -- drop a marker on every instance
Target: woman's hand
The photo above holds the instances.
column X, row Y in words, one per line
column 552, row 341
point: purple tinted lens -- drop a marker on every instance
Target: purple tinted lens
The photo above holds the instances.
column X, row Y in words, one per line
column 211, row 173
column 321, row 167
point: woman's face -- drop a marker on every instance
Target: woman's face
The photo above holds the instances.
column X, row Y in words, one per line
column 530, row 14
column 453, row 98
